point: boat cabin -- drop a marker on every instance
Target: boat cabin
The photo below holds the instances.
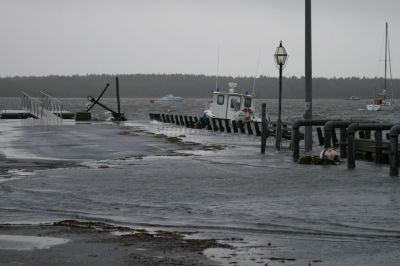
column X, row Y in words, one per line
column 227, row 104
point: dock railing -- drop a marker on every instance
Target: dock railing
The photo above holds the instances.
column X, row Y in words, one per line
column 52, row 104
column 37, row 109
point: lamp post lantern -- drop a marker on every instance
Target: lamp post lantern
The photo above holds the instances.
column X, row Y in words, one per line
column 280, row 60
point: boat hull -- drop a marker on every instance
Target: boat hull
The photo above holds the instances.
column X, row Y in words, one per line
column 373, row 107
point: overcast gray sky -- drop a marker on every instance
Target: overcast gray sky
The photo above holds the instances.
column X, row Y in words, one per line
column 43, row 37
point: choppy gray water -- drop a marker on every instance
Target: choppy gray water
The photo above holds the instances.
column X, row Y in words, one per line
column 126, row 176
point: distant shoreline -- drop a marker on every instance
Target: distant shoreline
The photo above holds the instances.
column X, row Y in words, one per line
column 191, row 86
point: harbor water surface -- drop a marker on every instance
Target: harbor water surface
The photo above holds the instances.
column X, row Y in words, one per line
column 265, row 205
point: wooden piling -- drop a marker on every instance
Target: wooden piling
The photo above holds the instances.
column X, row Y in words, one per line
column 241, row 127
column 234, row 126
column 177, row 120
column 263, row 127
column 118, row 100
column 228, row 128
column 192, row 123
column 394, row 150
column 221, row 126
column 187, row 124
column 334, row 139
column 351, row 156
column 343, row 143
column 182, row 121
column 320, row 136
column 393, row 156
column 351, row 131
column 249, row 129
column 214, row 124
column 378, row 146
column 257, row 128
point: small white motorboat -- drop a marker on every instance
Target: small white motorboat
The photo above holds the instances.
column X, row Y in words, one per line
column 354, row 98
column 168, row 98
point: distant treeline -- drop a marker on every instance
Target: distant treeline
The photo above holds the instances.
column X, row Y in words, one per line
column 156, row 85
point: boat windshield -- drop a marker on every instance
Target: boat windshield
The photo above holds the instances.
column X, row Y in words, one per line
column 220, row 99
column 233, row 102
column 247, row 102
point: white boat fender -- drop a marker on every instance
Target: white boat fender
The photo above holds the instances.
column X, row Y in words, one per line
column 329, row 154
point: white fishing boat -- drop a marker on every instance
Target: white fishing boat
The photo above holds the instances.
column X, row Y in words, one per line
column 381, row 100
column 232, row 105
column 168, row 98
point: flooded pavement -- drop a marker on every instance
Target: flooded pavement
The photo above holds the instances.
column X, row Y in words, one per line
column 219, row 186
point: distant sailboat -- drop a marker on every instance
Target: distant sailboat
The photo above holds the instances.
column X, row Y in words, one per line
column 380, row 99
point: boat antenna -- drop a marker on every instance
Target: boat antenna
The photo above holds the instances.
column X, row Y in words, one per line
column 256, row 75
column 390, row 70
column 216, row 77
column 386, row 61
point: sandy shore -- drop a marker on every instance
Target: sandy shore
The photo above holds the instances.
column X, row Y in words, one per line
column 71, row 242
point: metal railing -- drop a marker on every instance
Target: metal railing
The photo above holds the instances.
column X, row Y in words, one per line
column 52, row 104
column 38, row 109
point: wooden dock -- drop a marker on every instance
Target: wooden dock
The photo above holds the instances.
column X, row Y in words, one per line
column 15, row 114
column 47, row 107
column 222, row 125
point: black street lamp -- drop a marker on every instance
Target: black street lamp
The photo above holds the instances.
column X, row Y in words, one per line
column 280, row 60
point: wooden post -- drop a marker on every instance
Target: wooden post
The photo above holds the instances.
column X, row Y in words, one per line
column 351, row 157
column 241, row 127
column 296, row 143
column 378, row 146
column 249, row 130
column 334, row 139
column 263, row 127
column 257, row 127
column 209, row 127
column 186, row 121
column 393, row 155
column 181, row 120
column 228, row 128
column 321, row 139
column 118, row 101
column 191, row 122
column 343, row 143
column 214, row 124
column 234, row 125
column 327, row 139
column 221, row 127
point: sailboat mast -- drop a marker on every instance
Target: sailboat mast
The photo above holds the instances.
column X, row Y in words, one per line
column 390, row 72
column 386, row 50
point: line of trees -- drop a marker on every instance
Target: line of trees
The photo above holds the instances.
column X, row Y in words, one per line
column 186, row 85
